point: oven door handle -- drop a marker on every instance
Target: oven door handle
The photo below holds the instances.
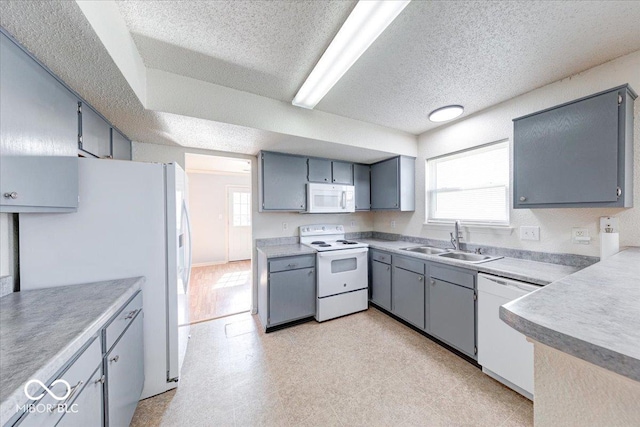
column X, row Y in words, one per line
column 342, row 253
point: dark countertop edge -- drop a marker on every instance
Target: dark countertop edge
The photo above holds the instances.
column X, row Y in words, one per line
column 587, row 351
column 58, row 361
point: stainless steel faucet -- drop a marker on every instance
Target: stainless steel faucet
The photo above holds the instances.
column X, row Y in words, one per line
column 455, row 238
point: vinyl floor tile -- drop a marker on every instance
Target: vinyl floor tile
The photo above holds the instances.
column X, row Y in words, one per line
column 363, row 369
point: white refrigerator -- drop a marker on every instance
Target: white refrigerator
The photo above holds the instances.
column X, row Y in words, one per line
column 132, row 220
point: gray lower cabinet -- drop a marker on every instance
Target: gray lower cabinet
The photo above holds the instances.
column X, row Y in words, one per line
column 362, row 183
column 124, row 367
column 120, row 146
column 39, row 115
column 578, row 154
column 283, row 180
column 95, row 132
column 452, row 315
column 408, row 296
column 393, row 184
column 287, row 289
column 38, row 184
column 381, row 284
column 86, row 410
column 342, row 172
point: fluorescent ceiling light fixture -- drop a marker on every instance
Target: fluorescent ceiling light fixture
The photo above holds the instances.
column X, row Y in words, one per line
column 446, row 113
column 363, row 26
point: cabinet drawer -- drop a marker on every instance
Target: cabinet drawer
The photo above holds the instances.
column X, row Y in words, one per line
column 77, row 375
column 453, row 275
column 292, row 263
column 381, row 256
column 88, row 404
column 410, row 264
column 122, row 320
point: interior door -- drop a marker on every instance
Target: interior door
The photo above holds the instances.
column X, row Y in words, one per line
column 239, row 223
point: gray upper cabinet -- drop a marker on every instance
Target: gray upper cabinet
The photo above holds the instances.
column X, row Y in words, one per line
column 319, row 170
column 362, row 183
column 95, row 132
column 342, row 173
column 578, row 154
column 38, row 184
column 38, row 113
column 283, row 182
column 393, row 184
column 120, row 146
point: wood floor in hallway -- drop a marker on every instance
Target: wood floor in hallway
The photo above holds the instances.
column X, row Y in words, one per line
column 220, row 290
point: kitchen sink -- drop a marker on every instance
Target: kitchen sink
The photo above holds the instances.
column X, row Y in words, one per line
column 470, row 258
column 427, row 250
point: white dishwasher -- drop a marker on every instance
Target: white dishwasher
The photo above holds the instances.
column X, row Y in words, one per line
column 503, row 352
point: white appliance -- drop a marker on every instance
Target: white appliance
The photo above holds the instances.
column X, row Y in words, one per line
column 330, row 198
column 132, row 220
column 504, row 353
column 342, row 272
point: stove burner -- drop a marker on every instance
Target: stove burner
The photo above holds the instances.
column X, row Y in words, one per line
column 341, row 241
column 318, row 242
column 324, row 245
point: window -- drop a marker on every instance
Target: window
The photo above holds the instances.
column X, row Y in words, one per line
column 470, row 186
column 241, row 209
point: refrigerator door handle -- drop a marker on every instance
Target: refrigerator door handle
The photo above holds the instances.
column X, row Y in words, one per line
column 185, row 210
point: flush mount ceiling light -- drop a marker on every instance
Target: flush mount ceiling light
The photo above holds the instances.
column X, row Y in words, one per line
column 446, row 113
column 363, row 26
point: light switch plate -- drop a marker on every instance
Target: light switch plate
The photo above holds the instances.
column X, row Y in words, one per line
column 285, row 225
column 529, row 232
column 580, row 236
column 353, row 223
column 393, row 224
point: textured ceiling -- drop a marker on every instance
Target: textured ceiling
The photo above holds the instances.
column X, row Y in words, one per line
column 478, row 54
column 58, row 34
column 263, row 47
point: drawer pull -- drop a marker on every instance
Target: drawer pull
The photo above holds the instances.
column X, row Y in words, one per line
column 115, row 359
column 433, row 282
column 419, row 278
column 131, row 315
column 72, row 393
column 12, row 195
column 292, row 265
column 100, row 380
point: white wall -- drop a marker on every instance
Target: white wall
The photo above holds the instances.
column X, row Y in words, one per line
column 495, row 124
column 209, row 215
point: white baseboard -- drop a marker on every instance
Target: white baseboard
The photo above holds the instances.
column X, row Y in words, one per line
column 207, row 264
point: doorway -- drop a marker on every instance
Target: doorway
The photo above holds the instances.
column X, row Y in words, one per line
column 220, row 207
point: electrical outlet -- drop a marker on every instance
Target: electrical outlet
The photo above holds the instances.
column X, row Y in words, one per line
column 580, row 236
column 393, row 224
column 529, row 232
column 353, row 223
column 285, row 226
column 608, row 224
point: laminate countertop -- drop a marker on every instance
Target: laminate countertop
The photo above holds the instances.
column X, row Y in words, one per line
column 279, row 251
column 593, row 314
column 539, row 273
column 40, row 330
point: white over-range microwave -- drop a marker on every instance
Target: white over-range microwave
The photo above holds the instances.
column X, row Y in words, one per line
column 330, row 198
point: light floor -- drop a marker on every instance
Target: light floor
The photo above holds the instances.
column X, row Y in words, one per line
column 361, row 370
column 219, row 290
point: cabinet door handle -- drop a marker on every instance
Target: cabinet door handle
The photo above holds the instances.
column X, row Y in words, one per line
column 523, row 199
column 419, row 278
column 433, row 282
column 311, row 272
column 388, row 268
column 131, row 315
column 100, row 380
column 115, row 359
column 12, row 195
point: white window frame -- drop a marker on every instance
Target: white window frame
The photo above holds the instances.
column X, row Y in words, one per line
column 430, row 180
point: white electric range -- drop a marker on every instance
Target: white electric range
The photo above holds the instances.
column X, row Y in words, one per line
column 342, row 273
